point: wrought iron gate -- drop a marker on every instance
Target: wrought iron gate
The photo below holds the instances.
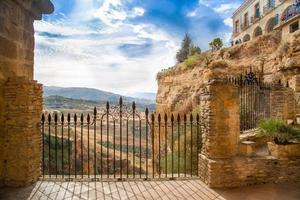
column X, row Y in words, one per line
column 118, row 142
column 254, row 100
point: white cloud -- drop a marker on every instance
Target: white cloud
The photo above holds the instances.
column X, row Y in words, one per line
column 228, row 21
column 73, row 53
column 227, row 7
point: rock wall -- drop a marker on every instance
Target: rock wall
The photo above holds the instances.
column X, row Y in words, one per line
column 271, row 58
column 224, row 161
column 241, row 171
column 17, row 59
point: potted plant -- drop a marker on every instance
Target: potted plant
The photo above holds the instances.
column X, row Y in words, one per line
column 283, row 139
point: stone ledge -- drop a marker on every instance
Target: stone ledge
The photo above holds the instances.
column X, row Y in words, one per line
column 242, row 170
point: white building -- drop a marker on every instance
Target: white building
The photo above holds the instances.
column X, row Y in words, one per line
column 257, row 17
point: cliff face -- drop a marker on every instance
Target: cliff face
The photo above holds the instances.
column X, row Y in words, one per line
column 269, row 56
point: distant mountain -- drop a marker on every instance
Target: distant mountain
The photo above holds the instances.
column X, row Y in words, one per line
column 91, row 94
column 143, row 95
column 79, row 105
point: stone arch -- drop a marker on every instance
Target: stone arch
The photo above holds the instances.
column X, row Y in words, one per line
column 270, row 25
column 246, row 38
column 257, row 32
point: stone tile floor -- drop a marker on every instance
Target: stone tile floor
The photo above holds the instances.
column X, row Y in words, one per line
column 180, row 189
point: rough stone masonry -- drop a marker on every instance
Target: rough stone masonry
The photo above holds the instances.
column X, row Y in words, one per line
column 20, row 95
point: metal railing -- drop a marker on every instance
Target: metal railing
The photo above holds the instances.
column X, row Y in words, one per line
column 254, row 100
column 118, row 142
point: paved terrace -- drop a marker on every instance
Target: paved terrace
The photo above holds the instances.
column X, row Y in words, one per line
column 183, row 189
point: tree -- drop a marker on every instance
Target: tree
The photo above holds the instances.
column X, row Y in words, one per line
column 194, row 50
column 184, row 52
column 216, row 44
column 187, row 49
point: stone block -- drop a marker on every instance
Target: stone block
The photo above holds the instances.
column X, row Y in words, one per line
column 247, row 148
column 8, row 48
column 284, row 151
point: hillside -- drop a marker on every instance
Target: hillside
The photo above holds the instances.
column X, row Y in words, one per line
column 179, row 86
column 91, row 94
column 64, row 104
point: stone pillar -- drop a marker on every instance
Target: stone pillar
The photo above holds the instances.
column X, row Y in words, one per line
column 283, row 103
column 16, row 60
column 220, row 112
column 22, row 146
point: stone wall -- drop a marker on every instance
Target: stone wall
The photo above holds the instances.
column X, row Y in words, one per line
column 283, row 103
column 17, row 60
column 241, row 170
column 221, row 162
column 23, row 107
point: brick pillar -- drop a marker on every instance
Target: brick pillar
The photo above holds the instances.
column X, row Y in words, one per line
column 16, row 60
column 23, row 107
column 221, row 114
column 283, row 103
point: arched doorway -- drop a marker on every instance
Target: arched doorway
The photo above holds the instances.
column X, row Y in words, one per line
column 257, row 32
column 270, row 25
column 246, row 38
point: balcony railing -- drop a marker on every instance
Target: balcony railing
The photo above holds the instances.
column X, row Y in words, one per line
column 267, row 8
column 290, row 12
column 118, row 142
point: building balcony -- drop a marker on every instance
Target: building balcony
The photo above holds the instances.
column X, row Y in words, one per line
column 268, row 8
column 291, row 12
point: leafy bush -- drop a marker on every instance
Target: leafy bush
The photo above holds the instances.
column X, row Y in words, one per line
column 191, row 61
column 276, row 130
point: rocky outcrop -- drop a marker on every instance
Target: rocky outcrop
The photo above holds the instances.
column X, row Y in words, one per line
column 271, row 58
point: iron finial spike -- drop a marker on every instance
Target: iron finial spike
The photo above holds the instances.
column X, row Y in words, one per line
column 81, row 117
column 95, row 111
column 159, row 118
column 62, row 118
column 166, row 117
column 133, row 105
column 172, row 117
column 75, row 118
column 197, row 117
column 184, row 118
column 121, row 101
column 152, row 117
column 88, row 119
column 191, row 117
column 49, row 117
column 43, row 118
column 178, row 117
column 107, row 105
column 55, row 118
column 69, row 117
column 147, row 111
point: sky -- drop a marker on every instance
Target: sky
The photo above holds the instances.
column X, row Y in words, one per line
column 120, row 45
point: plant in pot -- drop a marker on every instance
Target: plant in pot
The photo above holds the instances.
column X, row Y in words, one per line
column 283, row 139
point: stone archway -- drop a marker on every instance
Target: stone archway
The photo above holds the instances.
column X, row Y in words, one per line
column 246, row 38
column 257, row 32
column 270, row 25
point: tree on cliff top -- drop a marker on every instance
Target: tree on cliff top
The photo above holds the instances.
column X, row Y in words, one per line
column 187, row 48
column 216, row 44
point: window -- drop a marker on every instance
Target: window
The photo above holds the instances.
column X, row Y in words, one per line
column 237, row 26
column 246, row 20
column 294, row 27
column 271, row 3
column 256, row 10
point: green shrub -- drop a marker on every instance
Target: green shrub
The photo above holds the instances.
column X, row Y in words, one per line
column 276, row 130
column 191, row 61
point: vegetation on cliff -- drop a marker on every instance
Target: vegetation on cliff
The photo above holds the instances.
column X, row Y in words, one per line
column 269, row 56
